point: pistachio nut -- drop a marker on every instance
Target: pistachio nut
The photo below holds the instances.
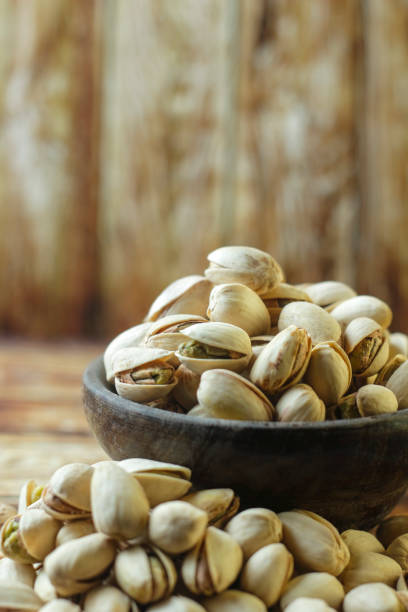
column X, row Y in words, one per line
column 375, row 399
column 346, row 408
column 16, row 596
column 388, row 370
column 366, row 344
column 29, row 537
column 167, row 333
column 145, row 573
column 74, row 530
column 391, row 528
column 398, row 344
column 78, row 565
column 370, row 567
column 375, row 597
column 161, row 481
column 314, row 542
column 108, row 598
column 120, row 508
column 359, row 542
column 328, row 294
column 267, row 572
column 128, row 338
column 176, row 526
column 328, row 372
column 398, row 550
column 255, row 528
column 233, row 600
column 279, row 296
column 11, row 571
column 240, row 264
column 227, row 395
column 185, row 295
column 398, row 383
column 300, row 403
column 219, row 504
column 215, row 345
column 44, row 588
column 68, row 494
column 213, row 565
column 177, row 603
column 6, row 512
column 30, row 494
column 319, row 324
column 143, row 374
column 239, row 305
column 320, row 585
column 168, row 403
column 185, row 392
column 60, row 605
column 309, row 604
column 283, row 361
column 363, row 306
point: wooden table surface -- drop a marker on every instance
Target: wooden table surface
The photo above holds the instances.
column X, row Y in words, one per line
column 42, row 424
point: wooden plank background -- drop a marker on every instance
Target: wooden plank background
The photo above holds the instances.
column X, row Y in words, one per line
column 137, row 136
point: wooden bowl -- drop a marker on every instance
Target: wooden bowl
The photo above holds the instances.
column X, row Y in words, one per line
column 352, row 472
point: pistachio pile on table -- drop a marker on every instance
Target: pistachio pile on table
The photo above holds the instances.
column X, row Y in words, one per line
column 241, row 343
column 135, row 535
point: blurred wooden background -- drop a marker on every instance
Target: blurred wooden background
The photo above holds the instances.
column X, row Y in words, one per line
column 137, row 135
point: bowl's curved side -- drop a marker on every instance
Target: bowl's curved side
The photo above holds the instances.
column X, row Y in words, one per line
column 352, row 473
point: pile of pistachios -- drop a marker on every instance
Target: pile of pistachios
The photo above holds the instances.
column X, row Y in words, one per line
column 240, row 343
column 134, row 535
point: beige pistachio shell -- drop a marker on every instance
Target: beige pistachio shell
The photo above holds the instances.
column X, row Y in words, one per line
column 74, row 530
column 167, row 332
column 68, row 494
column 29, row 537
column 398, row 384
column 327, row 293
column 328, row 372
column 359, row 542
column 388, row 370
column 370, row 567
column 234, row 601
column 30, row 493
column 267, row 572
column 177, row 603
column 320, row 585
column 375, row 399
column 279, row 296
column 314, row 542
column 247, row 265
column 319, row 324
column 185, row 392
column 366, row 344
column 44, row 587
column 255, row 528
column 145, row 574
column 239, row 305
column 219, row 504
column 309, row 604
column 201, row 412
column 11, row 571
column 391, row 528
column 130, row 337
column 213, row 565
column 16, row 596
column 185, row 295
column 398, row 344
column 120, row 508
column 376, row 597
column 363, row 306
column 227, row 395
column 107, row 599
column 300, row 403
column 161, row 481
column 398, row 550
column 176, row 526
column 283, row 361
column 60, row 605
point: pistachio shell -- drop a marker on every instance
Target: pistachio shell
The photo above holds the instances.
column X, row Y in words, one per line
column 309, row 604
column 277, row 297
column 60, row 605
column 374, row 399
column 300, row 403
column 44, row 587
column 255, row 528
column 36, row 535
column 327, row 293
column 398, row 384
column 376, row 597
column 319, row 585
column 16, row 596
column 107, row 599
column 185, row 295
column 398, row 550
column 366, row 344
column 67, row 495
column 328, row 372
column 239, row 305
column 391, row 528
column 74, row 530
column 320, row 325
column 128, row 338
column 185, row 392
column 370, row 567
column 11, row 571
column 359, row 542
column 29, row 494
column 177, row 603
column 166, row 333
column 363, row 306
column 398, row 344
column 234, row 601
column 177, row 526
column 388, row 370
column 267, row 572
column 219, row 504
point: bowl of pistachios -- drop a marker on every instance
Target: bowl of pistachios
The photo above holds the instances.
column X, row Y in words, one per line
column 292, row 395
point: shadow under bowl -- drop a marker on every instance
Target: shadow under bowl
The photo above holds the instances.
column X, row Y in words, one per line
column 352, row 472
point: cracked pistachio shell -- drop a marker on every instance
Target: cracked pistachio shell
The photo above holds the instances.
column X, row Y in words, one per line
column 329, row 293
column 366, row 344
column 12, row 571
column 329, row 372
column 161, row 481
column 219, row 504
column 213, row 565
column 239, row 305
column 278, row 297
column 388, row 370
column 363, row 306
column 130, row 337
column 30, row 493
column 29, row 537
column 68, row 494
column 77, row 565
column 267, row 572
column 60, row 605
column 188, row 294
column 74, row 530
column 176, row 526
column 376, row 597
column 321, row 585
column 398, row 384
column 391, row 528
column 108, row 599
column 234, row 601
column 300, row 403
column 241, row 264
column 319, row 324
column 176, row 603
column 359, row 542
column 120, row 508
column 314, row 542
column 222, row 336
column 44, row 587
column 370, row 567
column 398, row 344
column 375, row 399
column 309, row 604
column 255, row 528
column 283, row 361
column 16, row 596
column 166, row 333
column 398, row 550
column 185, row 392
column 227, row 395
column 145, row 574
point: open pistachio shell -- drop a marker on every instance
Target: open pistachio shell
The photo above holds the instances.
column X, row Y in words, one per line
column 12, row 571
column 255, row 528
column 239, row 305
column 371, row 598
column 363, row 306
column 300, row 403
column 329, row 293
column 177, row 603
column 319, row 585
column 185, row 295
column 370, row 567
column 176, row 526
column 227, row 395
column 107, row 599
column 388, row 370
column 219, row 504
column 185, row 392
column 328, row 372
column 29, row 494
column 398, row 384
column 29, row 537
column 366, row 344
column 233, row 600
column 15, row 596
column 319, row 324
column 68, row 494
column 167, row 332
column 279, row 296
column 391, row 528
column 128, row 338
